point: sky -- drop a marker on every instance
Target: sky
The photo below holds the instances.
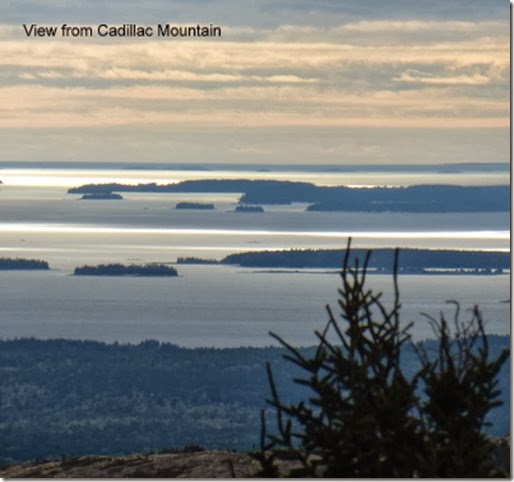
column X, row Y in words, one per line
column 290, row 81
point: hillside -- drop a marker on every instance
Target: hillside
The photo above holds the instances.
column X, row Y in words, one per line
column 78, row 398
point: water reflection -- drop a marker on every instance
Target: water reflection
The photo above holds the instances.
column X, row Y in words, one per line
column 66, row 178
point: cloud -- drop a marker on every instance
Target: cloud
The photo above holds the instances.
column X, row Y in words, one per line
column 188, row 76
column 293, row 80
column 329, row 65
column 259, row 13
column 431, row 26
column 415, row 76
column 375, row 32
column 359, row 73
column 33, row 106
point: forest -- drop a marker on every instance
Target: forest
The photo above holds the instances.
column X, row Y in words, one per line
column 64, row 397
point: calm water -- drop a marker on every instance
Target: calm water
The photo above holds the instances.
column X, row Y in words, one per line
column 213, row 306
column 220, row 306
column 74, row 177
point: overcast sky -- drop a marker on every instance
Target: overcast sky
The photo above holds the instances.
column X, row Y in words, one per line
column 303, row 81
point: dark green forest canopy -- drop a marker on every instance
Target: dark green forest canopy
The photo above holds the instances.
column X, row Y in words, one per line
column 425, row 198
column 86, row 397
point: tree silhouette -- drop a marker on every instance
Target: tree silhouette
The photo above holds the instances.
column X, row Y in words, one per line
column 365, row 417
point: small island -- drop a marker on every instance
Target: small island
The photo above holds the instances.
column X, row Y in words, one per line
column 195, row 260
column 190, row 205
column 22, row 264
column 116, row 269
column 245, row 208
column 102, row 196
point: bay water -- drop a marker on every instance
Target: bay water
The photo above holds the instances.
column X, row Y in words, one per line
column 216, row 305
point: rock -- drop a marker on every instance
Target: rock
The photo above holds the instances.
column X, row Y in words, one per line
column 204, row 464
column 212, row 464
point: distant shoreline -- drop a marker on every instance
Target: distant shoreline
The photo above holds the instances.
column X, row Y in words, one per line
column 411, row 261
column 464, row 167
column 420, row 198
column 425, row 262
column 372, row 273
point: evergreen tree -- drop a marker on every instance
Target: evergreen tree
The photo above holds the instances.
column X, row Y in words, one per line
column 365, row 417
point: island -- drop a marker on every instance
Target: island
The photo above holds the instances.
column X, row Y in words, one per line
column 191, row 205
column 23, row 264
column 116, row 269
column 244, row 208
column 195, row 260
column 411, row 261
column 418, row 198
column 102, row 196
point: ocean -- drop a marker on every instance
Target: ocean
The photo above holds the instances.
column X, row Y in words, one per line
column 218, row 306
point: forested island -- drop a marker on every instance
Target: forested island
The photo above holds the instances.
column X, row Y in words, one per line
column 63, row 397
column 422, row 198
column 244, row 208
column 115, row 269
column 23, row 264
column 419, row 199
column 192, row 205
column 415, row 261
column 102, row 196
